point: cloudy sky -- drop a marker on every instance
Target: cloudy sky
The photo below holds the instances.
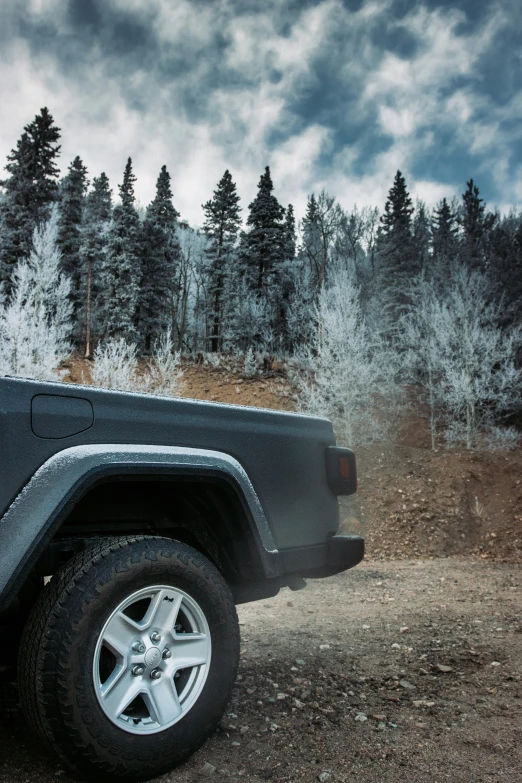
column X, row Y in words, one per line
column 329, row 93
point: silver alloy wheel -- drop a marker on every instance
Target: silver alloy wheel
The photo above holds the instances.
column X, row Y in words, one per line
column 152, row 659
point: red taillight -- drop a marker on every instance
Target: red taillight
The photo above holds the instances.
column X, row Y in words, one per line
column 341, row 472
column 344, row 467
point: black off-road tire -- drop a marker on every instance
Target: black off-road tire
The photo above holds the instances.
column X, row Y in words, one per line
column 12, row 625
column 55, row 671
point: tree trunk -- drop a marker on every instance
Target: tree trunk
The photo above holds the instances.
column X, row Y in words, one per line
column 88, row 311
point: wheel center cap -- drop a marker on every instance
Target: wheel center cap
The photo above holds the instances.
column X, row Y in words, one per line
column 152, row 656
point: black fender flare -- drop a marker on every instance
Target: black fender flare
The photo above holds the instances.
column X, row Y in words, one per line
column 56, row 486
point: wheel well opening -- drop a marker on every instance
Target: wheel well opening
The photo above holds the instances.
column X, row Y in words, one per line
column 206, row 513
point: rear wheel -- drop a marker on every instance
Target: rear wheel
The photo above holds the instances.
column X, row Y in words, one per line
column 128, row 660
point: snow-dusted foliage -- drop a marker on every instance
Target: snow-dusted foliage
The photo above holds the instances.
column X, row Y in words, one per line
column 300, row 310
column 464, row 361
column 250, row 364
column 164, row 370
column 190, row 292
column 35, row 322
column 480, row 379
column 249, row 321
column 320, row 231
column 352, row 373
column 115, row 365
column 423, row 357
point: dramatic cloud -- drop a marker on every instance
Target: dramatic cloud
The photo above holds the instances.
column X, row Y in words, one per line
column 329, row 93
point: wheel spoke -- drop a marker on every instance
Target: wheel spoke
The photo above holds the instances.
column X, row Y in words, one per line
column 190, row 649
column 164, row 610
column 119, row 634
column 162, row 701
column 120, row 689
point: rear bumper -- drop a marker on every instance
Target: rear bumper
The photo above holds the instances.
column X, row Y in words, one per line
column 337, row 554
column 313, row 562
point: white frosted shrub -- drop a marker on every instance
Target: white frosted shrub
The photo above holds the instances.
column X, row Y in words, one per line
column 115, row 365
column 35, row 321
column 164, row 370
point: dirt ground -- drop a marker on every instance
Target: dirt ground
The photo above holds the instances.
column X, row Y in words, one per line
column 402, row 670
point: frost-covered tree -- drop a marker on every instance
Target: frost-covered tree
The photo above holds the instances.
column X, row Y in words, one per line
column 221, row 227
column 30, row 190
column 121, row 270
column 320, row 230
column 72, row 202
column 424, row 356
column 481, row 381
column 352, row 373
column 159, row 260
column 190, row 295
column 250, row 363
column 249, row 323
column 164, row 372
column 35, row 324
column 300, row 318
column 115, row 365
column 351, row 243
column 93, row 248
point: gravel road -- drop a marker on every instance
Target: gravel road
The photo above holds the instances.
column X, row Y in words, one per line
column 406, row 670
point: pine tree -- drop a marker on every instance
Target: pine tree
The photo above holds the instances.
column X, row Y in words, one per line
column 287, row 281
column 476, row 224
column 263, row 245
column 398, row 264
column 221, row 227
column 160, row 257
column 311, row 234
column 290, row 234
column 444, row 230
column 98, row 211
column 398, row 210
column 120, row 279
column 505, row 269
column 73, row 189
column 422, row 239
column 30, row 190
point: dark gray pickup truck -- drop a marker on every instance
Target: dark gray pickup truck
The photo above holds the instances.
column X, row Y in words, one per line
column 154, row 517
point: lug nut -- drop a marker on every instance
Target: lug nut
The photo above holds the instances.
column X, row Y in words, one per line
column 138, row 647
column 155, row 674
column 167, row 653
column 155, row 637
column 137, row 670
